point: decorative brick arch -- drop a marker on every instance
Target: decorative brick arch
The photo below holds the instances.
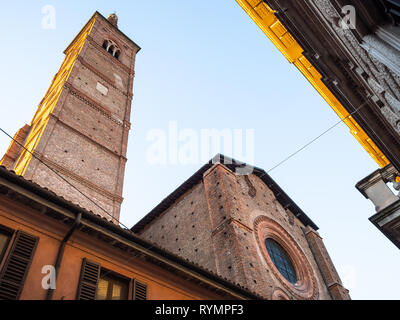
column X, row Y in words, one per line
column 305, row 288
column 112, row 47
column 279, row 294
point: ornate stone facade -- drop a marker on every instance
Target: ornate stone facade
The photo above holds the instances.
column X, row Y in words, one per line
column 383, row 80
column 352, row 49
column 359, row 63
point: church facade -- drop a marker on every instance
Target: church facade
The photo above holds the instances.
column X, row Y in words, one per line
column 221, row 235
column 245, row 228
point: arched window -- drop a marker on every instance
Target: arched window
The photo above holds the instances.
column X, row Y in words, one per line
column 281, row 260
column 111, row 48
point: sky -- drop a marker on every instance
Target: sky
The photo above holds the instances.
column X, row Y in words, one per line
column 206, row 65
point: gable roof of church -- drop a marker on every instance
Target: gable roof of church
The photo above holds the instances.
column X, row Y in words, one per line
column 29, row 193
column 232, row 165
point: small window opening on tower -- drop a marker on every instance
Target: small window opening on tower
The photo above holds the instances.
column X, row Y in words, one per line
column 111, row 48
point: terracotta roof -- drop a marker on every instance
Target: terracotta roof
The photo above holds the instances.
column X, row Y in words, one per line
column 49, row 195
column 233, row 165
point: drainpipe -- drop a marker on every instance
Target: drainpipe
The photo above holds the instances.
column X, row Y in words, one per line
column 61, row 249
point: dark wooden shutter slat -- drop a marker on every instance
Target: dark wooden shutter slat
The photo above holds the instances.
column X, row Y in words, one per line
column 90, row 274
column 139, row 291
column 16, row 267
column 8, row 290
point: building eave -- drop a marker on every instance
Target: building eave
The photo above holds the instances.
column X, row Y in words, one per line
column 388, row 222
column 94, row 16
column 303, row 47
column 231, row 164
column 124, row 237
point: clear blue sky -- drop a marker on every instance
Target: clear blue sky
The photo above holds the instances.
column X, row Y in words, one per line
column 205, row 64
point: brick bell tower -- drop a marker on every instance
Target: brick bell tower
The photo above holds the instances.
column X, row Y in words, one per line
column 80, row 129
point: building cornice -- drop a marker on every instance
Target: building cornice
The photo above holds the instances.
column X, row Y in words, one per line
column 234, row 166
column 102, row 76
column 110, row 58
column 68, row 173
column 94, row 16
column 303, row 38
column 80, row 133
column 64, row 211
column 95, row 105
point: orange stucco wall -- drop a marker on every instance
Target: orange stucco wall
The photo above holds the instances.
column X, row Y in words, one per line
column 161, row 284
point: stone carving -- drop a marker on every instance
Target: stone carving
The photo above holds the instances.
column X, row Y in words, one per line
column 383, row 78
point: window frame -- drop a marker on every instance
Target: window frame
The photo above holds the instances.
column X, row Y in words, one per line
column 282, row 260
column 306, row 288
column 8, row 233
column 111, row 275
column 116, row 53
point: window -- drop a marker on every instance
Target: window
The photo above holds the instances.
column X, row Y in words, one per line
column 111, row 48
column 110, row 287
column 4, row 240
column 281, row 260
column 17, row 263
column 96, row 283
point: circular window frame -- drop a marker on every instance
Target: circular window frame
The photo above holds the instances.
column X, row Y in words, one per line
column 279, row 294
column 285, row 255
column 305, row 287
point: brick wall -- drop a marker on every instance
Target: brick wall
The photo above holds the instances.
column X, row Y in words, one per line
column 185, row 229
column 86, row 137
column 220, row 213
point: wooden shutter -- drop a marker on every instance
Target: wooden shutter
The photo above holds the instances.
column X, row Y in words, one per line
column 139, row 290
column 89, row 278
column 15, row 270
